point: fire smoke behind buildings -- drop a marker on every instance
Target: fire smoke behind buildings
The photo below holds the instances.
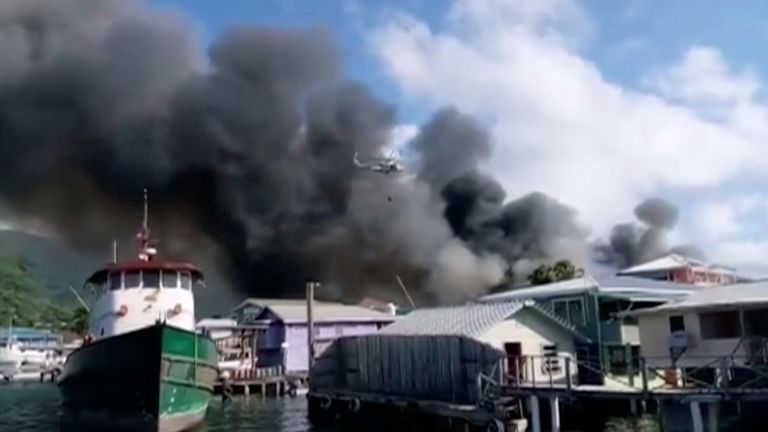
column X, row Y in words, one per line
column 247, row 154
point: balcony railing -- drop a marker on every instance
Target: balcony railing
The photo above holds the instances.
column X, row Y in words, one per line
column 729, row 374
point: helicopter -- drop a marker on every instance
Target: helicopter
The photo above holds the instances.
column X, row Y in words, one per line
column 388, row 165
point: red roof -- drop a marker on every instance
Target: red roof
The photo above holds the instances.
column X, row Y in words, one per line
column 150, row 265
column 143, row 265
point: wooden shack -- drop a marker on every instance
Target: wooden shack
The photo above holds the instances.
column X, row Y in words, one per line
column 440, row 368
column 438, row 354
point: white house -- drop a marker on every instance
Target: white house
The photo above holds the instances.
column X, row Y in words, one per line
column 729, row 321
column 531, row 338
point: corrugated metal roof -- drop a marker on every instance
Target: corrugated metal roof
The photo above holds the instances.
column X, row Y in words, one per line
column 263, row 302
column 216, row 323
column 329, row 312
column 608, row 286
column 469, row 320
column 27, row 332
column 673, row 261
column 755, row 293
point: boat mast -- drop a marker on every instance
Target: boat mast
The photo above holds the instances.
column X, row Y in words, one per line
column 146, row 252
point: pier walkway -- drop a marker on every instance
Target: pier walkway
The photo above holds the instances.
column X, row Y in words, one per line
column 264, row 381
column 695, row 381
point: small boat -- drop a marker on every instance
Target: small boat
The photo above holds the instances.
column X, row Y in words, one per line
column 11, row 356
column 143, row 367
column 11, row 359
column 42, row 358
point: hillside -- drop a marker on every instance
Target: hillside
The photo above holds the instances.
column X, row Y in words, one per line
column 53, row 264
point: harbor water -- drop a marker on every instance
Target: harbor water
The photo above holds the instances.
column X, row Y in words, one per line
column 36, row 408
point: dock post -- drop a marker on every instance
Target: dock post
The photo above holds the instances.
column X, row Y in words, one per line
column 629, row 361
column 554, row 404
column 310, row 325
column 535, row 415
column 568, row 377
column 713, row 417
column 644, row 375
column 696, row 420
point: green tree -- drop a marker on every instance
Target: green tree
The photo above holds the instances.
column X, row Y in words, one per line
column 78, row 322
column 21, row 294
column 559, row 271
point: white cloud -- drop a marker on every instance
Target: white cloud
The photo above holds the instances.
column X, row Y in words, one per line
column 733, row 231
column 703, row 76
column 561, row 127
column 717, row 220
column 747, row 255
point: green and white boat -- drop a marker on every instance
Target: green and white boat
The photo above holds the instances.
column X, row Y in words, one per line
column 143, row 367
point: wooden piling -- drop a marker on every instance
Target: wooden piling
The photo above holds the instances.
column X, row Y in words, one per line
column 554, row 404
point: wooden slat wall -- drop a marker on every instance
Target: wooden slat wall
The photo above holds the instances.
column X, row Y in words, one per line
column 441, row 368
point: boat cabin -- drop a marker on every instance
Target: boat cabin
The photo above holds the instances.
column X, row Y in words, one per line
column 130, row 296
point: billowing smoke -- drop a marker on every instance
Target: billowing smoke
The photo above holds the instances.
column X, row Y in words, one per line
column 247, row 154
column 634, row 243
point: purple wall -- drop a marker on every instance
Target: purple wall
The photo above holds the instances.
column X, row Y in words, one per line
column 325, row 333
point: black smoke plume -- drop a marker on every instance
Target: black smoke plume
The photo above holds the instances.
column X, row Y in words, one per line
column 634, row 243
column 247, row 154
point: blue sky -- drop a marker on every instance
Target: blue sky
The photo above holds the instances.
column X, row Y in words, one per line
column 600, row 103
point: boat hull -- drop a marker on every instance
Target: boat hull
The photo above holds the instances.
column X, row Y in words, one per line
column 158, row 378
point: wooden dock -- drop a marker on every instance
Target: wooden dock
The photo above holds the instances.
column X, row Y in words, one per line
column 43, row 375
column 269, row 381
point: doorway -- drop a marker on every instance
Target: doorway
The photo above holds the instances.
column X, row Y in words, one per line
column 515, row 360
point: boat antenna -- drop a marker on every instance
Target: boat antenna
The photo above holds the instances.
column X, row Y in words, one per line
column 79, row 298
column 146, row 252
column 405, row 291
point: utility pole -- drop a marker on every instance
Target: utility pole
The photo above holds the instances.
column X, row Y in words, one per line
column 310, row 324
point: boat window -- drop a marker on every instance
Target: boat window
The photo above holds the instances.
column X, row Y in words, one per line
column 186, row 281
column 197, row 282
column 170, row 279
column 132, row 279
column 151, row 278
column 115, row 281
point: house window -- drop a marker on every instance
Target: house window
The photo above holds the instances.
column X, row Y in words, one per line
column 571, row 310
column 550, row 360
column 720, row 325
column 676, row 323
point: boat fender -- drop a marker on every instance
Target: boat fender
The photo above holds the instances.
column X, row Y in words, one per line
column 177, row 309
column 495, row 425
column 325, row 403
column 123, row 310
column 354, row 405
